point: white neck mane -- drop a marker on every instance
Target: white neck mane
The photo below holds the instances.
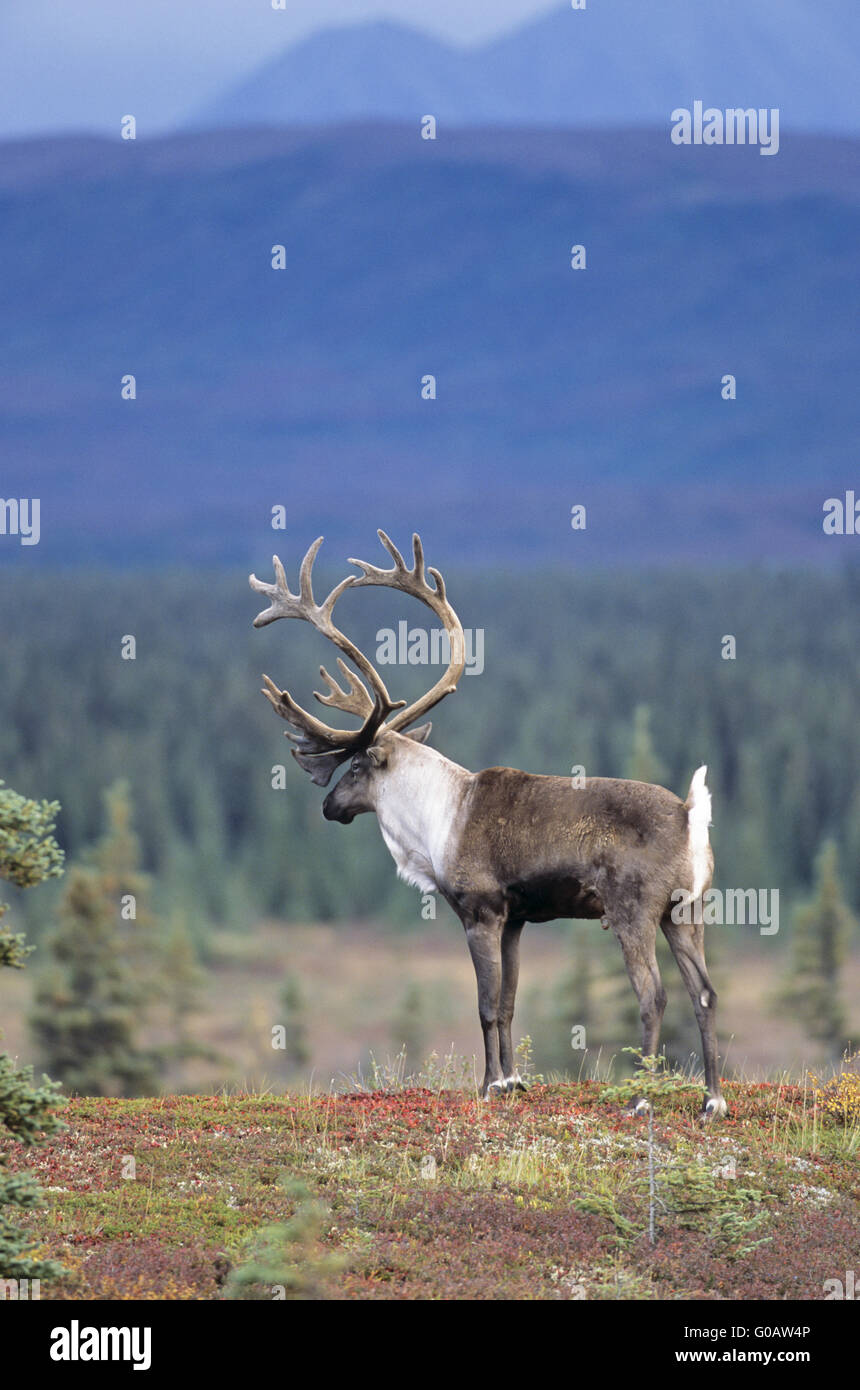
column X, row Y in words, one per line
column 420, row 807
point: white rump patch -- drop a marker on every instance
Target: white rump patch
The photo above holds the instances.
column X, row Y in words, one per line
column 698, row 820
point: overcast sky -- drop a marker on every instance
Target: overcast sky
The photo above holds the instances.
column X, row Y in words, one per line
column 80, row 66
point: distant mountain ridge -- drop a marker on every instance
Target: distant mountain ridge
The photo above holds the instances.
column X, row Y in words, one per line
column 404, row 258
column 618, row 62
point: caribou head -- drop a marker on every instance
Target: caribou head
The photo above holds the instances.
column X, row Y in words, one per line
column 377, row 745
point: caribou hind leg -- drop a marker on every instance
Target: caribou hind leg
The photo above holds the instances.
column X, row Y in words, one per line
column 637, row 937
column 687, row 942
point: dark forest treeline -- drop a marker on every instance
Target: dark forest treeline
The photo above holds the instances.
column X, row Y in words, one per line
column 568, row 658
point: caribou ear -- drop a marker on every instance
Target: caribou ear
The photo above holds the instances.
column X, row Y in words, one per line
column 419, row 735
column 378, row 754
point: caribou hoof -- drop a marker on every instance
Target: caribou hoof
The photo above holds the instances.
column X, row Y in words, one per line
column 714, row 1108
column 505, row 1086
column 515, row 1083
column 494, row 1088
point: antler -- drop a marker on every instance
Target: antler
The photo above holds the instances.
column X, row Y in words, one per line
column 320, row 748
column 414, row 582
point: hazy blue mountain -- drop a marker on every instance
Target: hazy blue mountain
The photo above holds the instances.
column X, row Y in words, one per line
column 405, row 258
column 618, row 62
column 377, row 69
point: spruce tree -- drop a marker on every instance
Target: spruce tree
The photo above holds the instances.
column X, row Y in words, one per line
column 90, row 1006
column 182, row 982
column 295, row 1029
column 28, row 855
column 821, row 932
column 409, row 1026
column 643, row 765
column 567, row 1005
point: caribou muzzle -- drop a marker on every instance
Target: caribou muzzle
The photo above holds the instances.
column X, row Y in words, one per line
column 333, row 809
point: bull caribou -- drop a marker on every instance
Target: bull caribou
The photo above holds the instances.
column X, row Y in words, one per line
column 503, row 847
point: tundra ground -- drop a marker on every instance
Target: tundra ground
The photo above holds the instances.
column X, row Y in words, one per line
column 426, row 1193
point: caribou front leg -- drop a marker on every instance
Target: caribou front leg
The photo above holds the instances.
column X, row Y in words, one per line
column 484, row 937
column 511, row 934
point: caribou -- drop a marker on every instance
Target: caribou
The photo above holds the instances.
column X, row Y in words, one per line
column 503, row 847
